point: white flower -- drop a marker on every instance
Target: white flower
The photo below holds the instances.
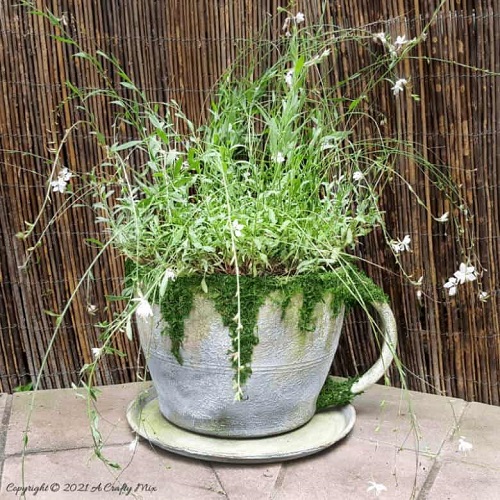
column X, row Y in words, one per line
column 399, row 86
column 464, row 446
column 289, row 77
column 357, row 176
column 133, row 444
column 170, row 274
column 65, row 174
column 381, row 37
column 401, row 245
column 405, row 244
column 400, row 41
column 377, row 488
column 444, row 217
column 318, row 57
column 451, row 284
column 171, row 156
column 300, row 18
column 237, row 227
column 144, row 310
column 484, row 296
column 59, row 185
column 96, row 352
column 465, row 273
column 280, row 158
column 92, row 309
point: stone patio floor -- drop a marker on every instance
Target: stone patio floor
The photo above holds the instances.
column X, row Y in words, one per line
column 381, row 448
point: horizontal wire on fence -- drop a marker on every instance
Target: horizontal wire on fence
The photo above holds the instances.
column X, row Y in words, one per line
column 53, row 374
column 135, row 369
column 403, row 330
column 474, row 75
column 115, row 279
column 446, row 134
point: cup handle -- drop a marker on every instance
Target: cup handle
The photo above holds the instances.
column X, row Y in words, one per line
column 390, row 337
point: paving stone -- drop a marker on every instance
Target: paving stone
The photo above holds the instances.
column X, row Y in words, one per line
column 4, row 398
column 151, row 474
column 247, row 482
column 383, row 415
column 479, row 426
column 60, row 421
column 4, row 401
column 345, row 472
column 463, row 481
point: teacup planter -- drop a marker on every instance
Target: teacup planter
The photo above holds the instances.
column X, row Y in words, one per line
column 282, row 354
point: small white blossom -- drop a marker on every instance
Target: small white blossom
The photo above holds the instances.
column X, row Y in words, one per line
column 96, row 352
column 405, row 244
column 144, row 310
column 170, row 275
column 237, row 227
column 65, row 174
column 465, row 273
column 92, row 309
column 377, row 488
column 318, row 57
column 358, row 176
column 171, row 156
column 401, row 245
column 300, row 17
column 464, row 446
column 280, row 158
column 59, row 185
column 399, row 86
column 400, row 41
column 133, row 444
column 444, row 217
column 484, row 296
column 289, row 77
column 451, row 285
column 380, row 37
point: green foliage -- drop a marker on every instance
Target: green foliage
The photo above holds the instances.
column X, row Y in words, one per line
column 284, row 175
column 266, row 184
column 24, row 387
column 335, row 393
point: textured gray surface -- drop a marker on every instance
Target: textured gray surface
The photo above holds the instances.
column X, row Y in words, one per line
column 388, row 340
column 289, row 367
column 321, row 432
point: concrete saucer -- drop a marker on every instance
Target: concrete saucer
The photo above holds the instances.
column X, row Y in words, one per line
column 322, row 431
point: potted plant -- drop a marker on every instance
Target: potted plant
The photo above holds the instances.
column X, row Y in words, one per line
column 238, row 233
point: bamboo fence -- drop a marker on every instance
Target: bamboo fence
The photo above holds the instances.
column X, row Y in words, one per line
column 177, row 49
